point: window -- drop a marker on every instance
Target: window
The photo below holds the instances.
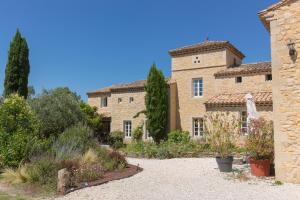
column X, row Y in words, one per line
column 244, row 123
column 268, row 77
column 198, row 87
column 127, row 128
column 131, row 99
column 198, row 127
column 238, row 79
column 119, row 100
column 103, row 102
column 196, row 60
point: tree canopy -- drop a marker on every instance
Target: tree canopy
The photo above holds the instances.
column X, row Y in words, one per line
column 156, row 100
column 17, row 67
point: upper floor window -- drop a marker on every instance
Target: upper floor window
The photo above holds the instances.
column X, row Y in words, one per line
column 196, row 59
column 198, row 127
column 244, row 123
column 238, row 79
column 127, row 128
column 198, row 87
column 103, row 102
column 131, row 99
column 119, row 100
column 268, row 77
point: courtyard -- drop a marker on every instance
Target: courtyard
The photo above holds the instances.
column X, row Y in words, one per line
column 178, row 179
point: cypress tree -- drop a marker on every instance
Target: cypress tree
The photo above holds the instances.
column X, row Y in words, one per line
column 156, row 101
column 17, row 67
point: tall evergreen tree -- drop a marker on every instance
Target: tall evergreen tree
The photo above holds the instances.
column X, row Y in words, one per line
column 156, row 100
column 17, row 67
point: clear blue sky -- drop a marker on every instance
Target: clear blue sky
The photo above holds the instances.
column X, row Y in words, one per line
column 89, row 44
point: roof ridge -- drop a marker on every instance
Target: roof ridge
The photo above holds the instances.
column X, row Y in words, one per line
column 245, row 92
column 255, row 63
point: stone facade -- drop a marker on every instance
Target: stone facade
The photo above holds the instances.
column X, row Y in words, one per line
column 184, row 107
column 283, row 22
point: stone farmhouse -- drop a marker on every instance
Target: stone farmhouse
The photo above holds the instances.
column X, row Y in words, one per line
column 208, row 76
column 211, row 76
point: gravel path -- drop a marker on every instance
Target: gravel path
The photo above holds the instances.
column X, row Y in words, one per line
column 185, row 179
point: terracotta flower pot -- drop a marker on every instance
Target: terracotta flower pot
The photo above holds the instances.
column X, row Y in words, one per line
column 260, row 167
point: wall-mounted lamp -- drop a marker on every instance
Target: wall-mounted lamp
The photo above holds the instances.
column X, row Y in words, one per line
column 291, row 47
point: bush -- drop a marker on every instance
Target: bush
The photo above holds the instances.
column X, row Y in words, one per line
column 18, row 131
column 221, row 130
column 260, row 140
column 116, row 139
column 57, row 110
column 120, row 161
column 166, row 150
column 93, row 120
column 137, row 134
column 73, row 142
column 179, row 137
column 88, row 173
column 43, row 172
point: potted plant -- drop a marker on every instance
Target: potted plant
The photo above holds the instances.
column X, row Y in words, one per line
column 221, row 129
column 260, row 146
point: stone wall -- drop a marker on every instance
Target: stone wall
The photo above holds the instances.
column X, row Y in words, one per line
column 190, row 107
column 95, row 100
column 284, row 26
column 253, row 83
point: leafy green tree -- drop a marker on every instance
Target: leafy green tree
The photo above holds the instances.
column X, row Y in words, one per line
column 57, row 110
column 91, row 117
column 156, row 100
column 18, row 130
column 17, row 67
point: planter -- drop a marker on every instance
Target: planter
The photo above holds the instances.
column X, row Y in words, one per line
column 225, row 164
column 260, row 167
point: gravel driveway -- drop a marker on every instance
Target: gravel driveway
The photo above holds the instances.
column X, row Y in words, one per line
column 185, row 179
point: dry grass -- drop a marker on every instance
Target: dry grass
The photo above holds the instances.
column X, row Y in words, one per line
column 89, row 157
column 17, row 176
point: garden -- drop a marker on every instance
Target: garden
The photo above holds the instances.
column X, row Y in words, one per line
column 50, row 134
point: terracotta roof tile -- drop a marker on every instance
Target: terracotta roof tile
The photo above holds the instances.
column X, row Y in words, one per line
column 238, row 99
column 244, row 69
column 204, row 47
column 123, row 86
column 132, row 85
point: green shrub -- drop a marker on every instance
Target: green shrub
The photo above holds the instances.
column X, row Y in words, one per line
column 18, row 130
column 116, row 139
column 179, row 137
column 43, row 171
column 137, row 134
column 57, row 110
column 93, row 120
column 73, row 142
